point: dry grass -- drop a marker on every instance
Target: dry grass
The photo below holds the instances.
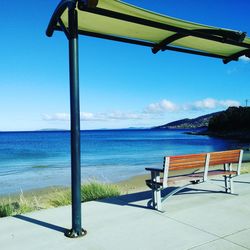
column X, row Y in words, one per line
column 56, row 197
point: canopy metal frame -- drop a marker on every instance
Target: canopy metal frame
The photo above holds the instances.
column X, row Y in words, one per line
column 223, row 36
column 71, row 32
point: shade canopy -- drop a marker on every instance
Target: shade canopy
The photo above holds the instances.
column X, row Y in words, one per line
column 116, row 20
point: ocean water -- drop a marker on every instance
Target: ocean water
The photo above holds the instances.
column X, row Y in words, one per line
column 30, row 160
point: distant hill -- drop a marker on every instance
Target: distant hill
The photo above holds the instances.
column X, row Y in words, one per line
column 198, row 122
column 233, row 123
column 51, row 129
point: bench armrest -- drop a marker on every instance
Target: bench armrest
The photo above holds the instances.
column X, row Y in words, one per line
column 154, row 169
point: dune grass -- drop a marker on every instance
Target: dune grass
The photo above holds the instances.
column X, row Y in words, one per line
column 245, row 168
column 89, row 192
column 18, row 205
column 95, row 191
column 56, row 197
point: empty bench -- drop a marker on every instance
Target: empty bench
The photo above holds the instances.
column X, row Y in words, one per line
column 193, row 169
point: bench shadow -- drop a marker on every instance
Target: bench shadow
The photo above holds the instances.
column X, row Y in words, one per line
column 41, row 223
column 242, row 182
column 144, row 197
column 235, row 181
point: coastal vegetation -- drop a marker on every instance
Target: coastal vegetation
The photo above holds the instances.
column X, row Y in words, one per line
column 18, row 205
column 89, row 192
column 234, row 118
column 233, row 123
column 198, row 122
column 55, row 197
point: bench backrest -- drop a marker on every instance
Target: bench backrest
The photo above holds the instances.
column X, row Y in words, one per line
column 224, row 157
column 181, row 162
column 202, row 161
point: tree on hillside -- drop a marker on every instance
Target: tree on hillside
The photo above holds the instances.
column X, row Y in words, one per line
column 234, row 118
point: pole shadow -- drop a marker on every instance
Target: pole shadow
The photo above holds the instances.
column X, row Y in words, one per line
column 41, row 223
column 129, row 199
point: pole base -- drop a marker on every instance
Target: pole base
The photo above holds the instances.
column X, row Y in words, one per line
column 72, row 234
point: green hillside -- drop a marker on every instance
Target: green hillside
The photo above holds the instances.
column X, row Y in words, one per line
column 198, row 122
column 233, row 119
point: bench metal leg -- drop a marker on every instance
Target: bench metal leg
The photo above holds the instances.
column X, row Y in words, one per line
column 158, row 200
column 154, row 198
column 176, row 190
column 227, row 179
column 226, row 183
column 156, row 192
column 229, row 187
column 153, row 178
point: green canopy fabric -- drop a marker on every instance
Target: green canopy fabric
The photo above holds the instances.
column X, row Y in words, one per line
column 116, row 20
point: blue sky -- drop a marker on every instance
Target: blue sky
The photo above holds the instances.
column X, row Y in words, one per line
column 121, row 85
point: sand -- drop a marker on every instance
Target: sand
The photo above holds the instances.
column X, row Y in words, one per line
column 137, row 183
column 131, row 185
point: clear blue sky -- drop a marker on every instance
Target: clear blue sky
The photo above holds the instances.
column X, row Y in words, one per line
column 121, row 85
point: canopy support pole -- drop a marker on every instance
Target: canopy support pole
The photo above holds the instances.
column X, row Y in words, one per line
column 76, row 230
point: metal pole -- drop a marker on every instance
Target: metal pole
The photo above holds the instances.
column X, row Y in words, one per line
column 76, row 230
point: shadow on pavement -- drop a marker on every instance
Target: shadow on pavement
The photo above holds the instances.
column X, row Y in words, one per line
column 140, row 198
column 41, row 223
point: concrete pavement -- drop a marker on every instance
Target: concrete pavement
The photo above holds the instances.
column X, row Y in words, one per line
column 201, row 217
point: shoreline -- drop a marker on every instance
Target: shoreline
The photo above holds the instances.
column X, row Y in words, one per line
column 131, row 185
column 51, row 197
column 227, row 135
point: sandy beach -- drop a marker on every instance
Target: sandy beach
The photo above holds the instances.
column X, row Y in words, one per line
column 42, row 197
column 131, row 185
column 137, row 183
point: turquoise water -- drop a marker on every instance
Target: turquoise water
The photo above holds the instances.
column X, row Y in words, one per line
column 31, row 160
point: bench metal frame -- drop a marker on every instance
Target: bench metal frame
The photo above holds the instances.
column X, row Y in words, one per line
column 157, row 186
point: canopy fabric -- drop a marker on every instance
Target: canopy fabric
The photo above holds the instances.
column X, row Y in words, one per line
column 116, row 20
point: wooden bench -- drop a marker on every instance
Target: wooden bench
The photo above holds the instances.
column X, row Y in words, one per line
column 193, row 169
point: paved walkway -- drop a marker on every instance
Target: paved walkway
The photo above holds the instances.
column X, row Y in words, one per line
column 198, row 220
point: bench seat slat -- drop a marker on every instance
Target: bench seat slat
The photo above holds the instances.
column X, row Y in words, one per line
column 218, row 161
column 221, row 172
column 193, row 166
column 189, row 156
column 173, row 179
column 227, row 152
column 231, row 156
column 196, row 176
column 179, row 163
column 187, row 161
column 224, row 158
